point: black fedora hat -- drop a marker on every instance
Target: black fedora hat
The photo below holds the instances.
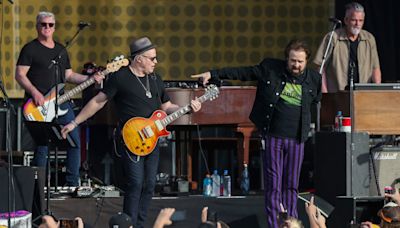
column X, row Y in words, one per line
column 141, row 45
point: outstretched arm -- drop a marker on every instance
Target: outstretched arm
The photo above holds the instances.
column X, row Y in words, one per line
column 314, row 215
column 204, row 77
column 94, row 105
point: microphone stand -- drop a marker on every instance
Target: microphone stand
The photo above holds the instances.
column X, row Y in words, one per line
column 351, row 91
column 56, row 64
column 7, row 107
column 321, row 70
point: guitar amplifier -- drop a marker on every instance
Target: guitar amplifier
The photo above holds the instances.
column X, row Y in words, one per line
column 387, row 172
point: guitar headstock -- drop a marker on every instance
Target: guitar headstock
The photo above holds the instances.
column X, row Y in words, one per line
column 117, row 63
column 212, row 92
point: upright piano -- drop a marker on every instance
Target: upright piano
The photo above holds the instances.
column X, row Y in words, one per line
column 232, row 107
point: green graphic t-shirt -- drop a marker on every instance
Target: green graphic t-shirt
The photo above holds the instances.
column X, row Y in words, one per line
column 292, row 94
column 286, row 119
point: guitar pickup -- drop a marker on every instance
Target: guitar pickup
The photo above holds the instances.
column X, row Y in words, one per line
column 159, row 125
column 43, row 110
column 148, row 132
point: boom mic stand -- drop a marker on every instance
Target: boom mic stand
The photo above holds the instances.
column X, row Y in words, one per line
column 321, row 69
column 55, row 62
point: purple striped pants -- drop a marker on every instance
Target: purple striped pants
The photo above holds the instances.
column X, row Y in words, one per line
column 282, row 159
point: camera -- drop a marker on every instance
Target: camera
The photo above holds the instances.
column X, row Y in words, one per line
column 68, row 223
column 212, row 216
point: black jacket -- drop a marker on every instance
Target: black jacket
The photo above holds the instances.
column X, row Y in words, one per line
column 271, row 75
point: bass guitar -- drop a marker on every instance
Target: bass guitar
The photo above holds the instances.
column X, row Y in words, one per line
column 46, row 112
column 140, row 134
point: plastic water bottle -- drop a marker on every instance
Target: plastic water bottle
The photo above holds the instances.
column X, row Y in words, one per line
column 338, row 121
column 227, row 184
column 245, row 181
column 207, row 185
column 216, row 183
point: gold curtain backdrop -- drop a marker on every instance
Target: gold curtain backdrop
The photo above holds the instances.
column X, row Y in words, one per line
column 192, row 35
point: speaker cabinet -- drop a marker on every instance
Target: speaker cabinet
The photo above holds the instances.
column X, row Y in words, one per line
column 339, row 170
column 387, row 169
column 27, row 192
column 355, row 209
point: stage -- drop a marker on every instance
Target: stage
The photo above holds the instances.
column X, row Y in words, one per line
column 235, row 211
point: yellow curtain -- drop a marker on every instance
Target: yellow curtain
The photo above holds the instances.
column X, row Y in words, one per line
column 192, row 35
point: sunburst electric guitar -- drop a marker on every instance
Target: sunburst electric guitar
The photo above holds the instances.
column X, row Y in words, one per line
column 46, row 112
column 140, row 134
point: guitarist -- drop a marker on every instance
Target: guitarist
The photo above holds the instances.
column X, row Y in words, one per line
column 35, row 76
column 137, row 92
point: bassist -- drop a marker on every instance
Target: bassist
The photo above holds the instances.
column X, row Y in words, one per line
column 35, row 76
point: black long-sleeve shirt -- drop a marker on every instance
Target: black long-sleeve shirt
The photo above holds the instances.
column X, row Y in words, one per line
column 272, row 77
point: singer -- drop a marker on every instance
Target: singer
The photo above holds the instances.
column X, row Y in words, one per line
column 351, row 46
column 34, row 75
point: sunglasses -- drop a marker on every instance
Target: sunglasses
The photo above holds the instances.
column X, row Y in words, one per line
column 150, row 58
column 44, row 24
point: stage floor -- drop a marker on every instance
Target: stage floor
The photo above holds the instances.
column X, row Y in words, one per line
column 236, row 211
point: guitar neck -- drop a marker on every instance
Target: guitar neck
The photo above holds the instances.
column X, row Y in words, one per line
column 182, row 111
column 68, row 95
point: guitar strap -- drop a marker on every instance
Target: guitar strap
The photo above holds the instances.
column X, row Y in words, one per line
column 119, row 145
column 154, row 77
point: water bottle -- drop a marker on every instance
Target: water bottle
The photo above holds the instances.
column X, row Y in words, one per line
column 338, row 121
column 245, row 181
column 227, row 184
column 216, row 184
column 207, row 185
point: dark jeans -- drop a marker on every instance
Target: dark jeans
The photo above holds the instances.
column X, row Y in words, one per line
column 140, row 175
column 73, row 153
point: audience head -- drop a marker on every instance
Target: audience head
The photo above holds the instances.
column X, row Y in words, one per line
column 291, row 222
column 120, row 220
column 390, row 215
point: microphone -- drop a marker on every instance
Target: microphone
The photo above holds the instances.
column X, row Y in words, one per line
column 83, row 24
column 335, row 20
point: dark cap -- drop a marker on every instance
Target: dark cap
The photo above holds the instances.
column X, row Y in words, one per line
column 120, row 220
column 141, row 45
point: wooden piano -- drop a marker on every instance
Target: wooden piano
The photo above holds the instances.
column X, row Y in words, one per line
column 232, row 107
